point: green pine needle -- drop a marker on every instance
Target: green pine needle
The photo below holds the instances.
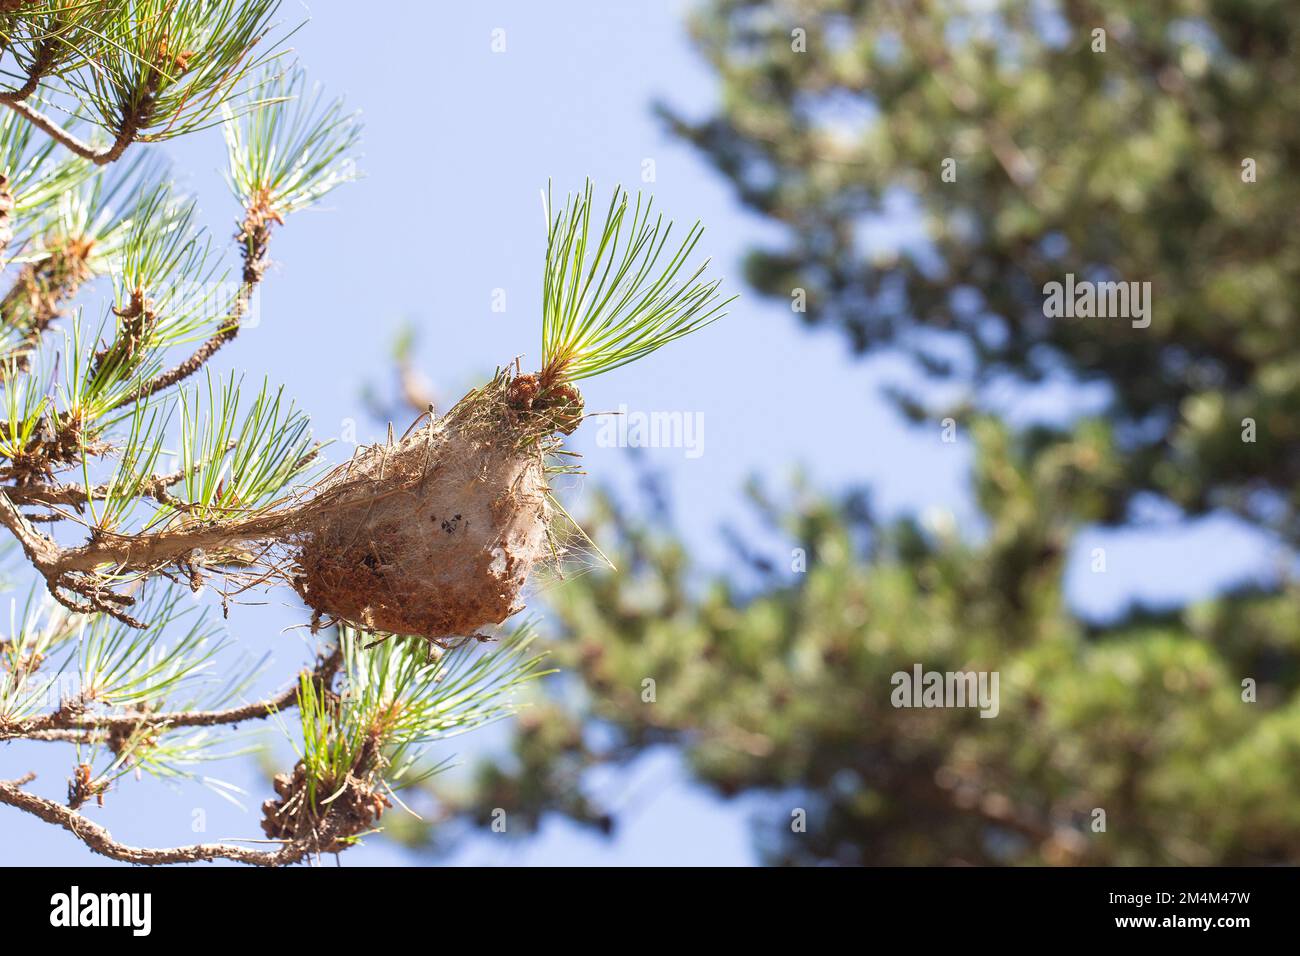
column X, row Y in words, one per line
column 613, row 296
column 36, row 177
column 173, row 67
column 292, row 149
column 405, row 695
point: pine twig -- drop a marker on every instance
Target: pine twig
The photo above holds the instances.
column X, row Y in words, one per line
column 75, row 496
column 99, row 840
column 76, row 719
column 98, row 156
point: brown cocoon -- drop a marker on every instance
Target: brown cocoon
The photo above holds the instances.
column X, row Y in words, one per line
column 434, row 535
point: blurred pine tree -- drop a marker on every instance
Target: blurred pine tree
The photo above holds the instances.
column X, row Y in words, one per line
column 1131, row 142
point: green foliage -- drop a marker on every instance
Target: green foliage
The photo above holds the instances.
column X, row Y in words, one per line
column 38, row 635
column 293, row 151
column 36, row 172
column 107, row 433
column 95, row 214
column 56, row 37
column 606, row 298
column 167, row 68
column 1127, row 164
column 99, row 666
column 119, row 665
column 233, row 464
column 399, row 696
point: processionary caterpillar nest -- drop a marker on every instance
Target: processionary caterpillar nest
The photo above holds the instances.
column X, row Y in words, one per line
column 436, row 534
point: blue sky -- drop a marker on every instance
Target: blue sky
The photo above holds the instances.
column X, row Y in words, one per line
column 459, row 140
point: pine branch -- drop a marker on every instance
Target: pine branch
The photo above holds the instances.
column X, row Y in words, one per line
column 72, row 717
column 155, row 487
column 100, row 841
column 48, row 559
column 42, row 63
column 78, row 146
column 62, row 736
column 148, row 70
column 283, row 157
column 357, row 744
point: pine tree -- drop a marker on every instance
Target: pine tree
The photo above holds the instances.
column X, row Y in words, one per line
column 133, row 473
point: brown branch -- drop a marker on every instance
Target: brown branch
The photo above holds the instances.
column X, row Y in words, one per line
column 75, row 495
column 21, row 93
column 65, row 736
column 128, row 128
column 334, row 829
column 45, row 557
column 42, row 62
column 74, row 718
column 192, row 364
column 100, row 841
column 148, row 552
column 40, row 550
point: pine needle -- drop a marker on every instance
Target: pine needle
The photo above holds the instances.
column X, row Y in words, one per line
column 614, row 296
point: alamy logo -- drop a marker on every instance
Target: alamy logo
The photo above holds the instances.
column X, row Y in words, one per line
column 627, row 429
column 103, row 909
column 946, row 689
column 1102, row 300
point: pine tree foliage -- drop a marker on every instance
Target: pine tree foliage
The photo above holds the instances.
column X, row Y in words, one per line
column 116, row 434
column 612, row 297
